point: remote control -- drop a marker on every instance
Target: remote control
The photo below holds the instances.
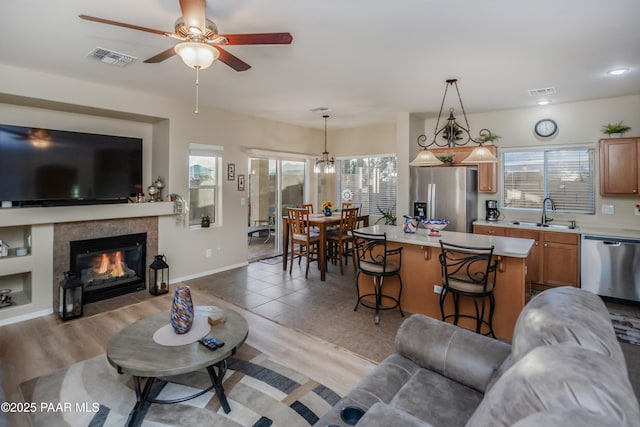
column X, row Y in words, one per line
column 208, row 342
column 216, row 341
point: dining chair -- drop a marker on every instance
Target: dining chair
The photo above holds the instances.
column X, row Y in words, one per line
column 339, row 243
column 300, row 234
column 308, row 206
column 469, row 272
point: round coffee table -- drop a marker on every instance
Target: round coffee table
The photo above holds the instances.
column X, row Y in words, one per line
column 133, row 351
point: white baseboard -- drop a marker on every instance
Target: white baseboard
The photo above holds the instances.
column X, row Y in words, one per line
column 207, row 273
column 26, row 316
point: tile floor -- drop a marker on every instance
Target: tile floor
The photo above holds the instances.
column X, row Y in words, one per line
column 325, row 309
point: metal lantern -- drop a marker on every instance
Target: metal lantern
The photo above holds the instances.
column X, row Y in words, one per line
column 70, row 296
column 159, row 276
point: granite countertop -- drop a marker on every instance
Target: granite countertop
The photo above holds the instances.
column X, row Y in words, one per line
column 586, row 229
column 504, row 246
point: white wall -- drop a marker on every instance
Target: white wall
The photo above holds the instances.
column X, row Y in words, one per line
column 167, row 127
column 578, row 124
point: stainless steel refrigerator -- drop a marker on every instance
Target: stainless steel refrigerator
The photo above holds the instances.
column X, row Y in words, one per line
column 446, row 192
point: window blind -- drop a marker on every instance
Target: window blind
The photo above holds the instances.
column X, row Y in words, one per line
column 564, row 175
column 371, row 182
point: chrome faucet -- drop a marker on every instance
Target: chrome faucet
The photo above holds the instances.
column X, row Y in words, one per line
column 546, row 219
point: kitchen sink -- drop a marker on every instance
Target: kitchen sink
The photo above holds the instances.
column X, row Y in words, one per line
column 539, row 225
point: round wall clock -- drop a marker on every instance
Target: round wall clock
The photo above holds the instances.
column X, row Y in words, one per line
column 545, row 128
column 347, row 195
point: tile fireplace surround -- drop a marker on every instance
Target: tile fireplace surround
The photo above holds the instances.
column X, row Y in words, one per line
column 66, row 232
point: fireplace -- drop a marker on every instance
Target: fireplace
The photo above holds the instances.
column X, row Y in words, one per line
column 109, row 266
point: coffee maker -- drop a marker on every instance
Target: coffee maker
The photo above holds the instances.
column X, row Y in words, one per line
column 492, row 210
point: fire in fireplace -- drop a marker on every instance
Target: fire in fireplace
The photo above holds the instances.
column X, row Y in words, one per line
column 110, row 266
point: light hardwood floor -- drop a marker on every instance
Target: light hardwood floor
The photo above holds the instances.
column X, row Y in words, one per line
column 40, row 346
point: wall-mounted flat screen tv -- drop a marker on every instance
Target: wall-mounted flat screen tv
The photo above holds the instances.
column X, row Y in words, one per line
column 45, row 167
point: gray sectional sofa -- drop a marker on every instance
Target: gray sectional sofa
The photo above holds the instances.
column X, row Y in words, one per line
column 563, row 368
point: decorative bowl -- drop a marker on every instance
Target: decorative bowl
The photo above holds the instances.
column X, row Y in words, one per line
column 435, row 224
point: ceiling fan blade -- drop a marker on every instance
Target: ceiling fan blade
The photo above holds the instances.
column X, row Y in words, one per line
column 194, row 14
column 166, row 54
column 232, row 60
column 122, row 24
column 259, row 38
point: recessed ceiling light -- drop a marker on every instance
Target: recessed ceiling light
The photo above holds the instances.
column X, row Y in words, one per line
column 617, row 71
column 544, row 102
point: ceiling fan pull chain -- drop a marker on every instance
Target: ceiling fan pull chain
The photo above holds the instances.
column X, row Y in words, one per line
column 197, row 91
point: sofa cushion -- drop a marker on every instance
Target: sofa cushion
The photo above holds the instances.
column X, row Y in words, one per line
column 570, row 418
column 566, row 315
column 456, row 353
column 555, row 378
column 380, row 385
column 437, row 399
column 384, row 415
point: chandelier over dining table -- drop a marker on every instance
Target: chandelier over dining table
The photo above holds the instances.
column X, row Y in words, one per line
column 325, row 164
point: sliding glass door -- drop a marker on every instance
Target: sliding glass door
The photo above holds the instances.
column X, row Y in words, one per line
column 274, row 186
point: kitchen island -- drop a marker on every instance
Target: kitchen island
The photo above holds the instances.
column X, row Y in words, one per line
column 421, row 273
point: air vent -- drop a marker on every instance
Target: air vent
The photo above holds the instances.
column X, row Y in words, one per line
column 111, row 57
column 543, row 91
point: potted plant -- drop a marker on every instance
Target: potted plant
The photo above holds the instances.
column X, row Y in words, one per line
column 447, row 160
column 615, row 130
column 486, row 136
column 387, row 215
column 455, row 130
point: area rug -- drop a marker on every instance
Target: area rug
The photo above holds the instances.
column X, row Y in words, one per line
column 272, row 260
column 627, row 327
column 261, row 393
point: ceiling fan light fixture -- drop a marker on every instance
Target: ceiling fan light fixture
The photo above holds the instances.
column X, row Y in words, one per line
column 197, row 55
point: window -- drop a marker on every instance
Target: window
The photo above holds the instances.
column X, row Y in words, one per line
column 204, row 177
column 369, row 182
column 564, row 175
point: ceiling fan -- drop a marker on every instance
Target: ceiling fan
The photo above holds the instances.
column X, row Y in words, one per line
column 200, row 43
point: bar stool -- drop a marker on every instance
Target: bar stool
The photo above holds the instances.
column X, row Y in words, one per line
column 375, row 260
column 469, row 272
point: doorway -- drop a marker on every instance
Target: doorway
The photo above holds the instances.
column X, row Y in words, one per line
column 274, row 185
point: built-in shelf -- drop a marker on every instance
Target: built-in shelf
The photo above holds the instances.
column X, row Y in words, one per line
column 20, row 285
column 31, row 277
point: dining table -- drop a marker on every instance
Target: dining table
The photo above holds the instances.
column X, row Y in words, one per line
column 323, row 223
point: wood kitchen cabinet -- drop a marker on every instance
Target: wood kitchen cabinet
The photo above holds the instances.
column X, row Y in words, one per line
column 560, row 259
column 489, row 230
column 487, row 172
column 487, row 177
column 554, row 259
column 619, row 164
column 534, row 262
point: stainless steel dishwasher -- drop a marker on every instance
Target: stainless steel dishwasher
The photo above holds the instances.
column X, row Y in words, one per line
column 610, row 266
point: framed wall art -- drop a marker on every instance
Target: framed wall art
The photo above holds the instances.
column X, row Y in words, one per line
column 240, row 182
column 231, row 172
